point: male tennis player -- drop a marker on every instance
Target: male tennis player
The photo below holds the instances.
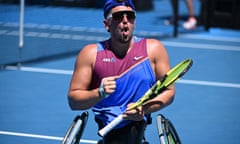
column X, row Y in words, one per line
column 111, row 75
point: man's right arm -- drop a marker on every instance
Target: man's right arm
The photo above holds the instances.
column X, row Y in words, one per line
column 79, row 95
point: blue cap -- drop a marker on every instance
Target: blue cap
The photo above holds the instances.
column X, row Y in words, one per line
column 109, row 4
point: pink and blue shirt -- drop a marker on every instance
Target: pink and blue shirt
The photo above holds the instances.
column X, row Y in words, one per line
column 136, row 77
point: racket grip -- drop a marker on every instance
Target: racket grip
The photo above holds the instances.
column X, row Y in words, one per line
column 102, row 132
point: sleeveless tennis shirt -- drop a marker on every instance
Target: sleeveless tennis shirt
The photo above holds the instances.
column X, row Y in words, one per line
column 136, row 77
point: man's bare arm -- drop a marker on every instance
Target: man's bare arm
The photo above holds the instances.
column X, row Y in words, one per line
column 79, row 95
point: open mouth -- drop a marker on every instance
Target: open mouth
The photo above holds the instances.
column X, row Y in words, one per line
column 125, row 31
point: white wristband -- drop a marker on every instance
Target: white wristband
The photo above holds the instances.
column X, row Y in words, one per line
column 101, row 91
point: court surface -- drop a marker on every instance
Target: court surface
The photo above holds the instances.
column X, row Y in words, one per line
column 34, row 108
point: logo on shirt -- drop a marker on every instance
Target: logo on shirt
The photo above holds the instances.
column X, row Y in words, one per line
column 137, row 58
column 109, row 60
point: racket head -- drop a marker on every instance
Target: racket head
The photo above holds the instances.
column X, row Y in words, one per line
column 177, row 72
column 166, row 131
column 75, row 130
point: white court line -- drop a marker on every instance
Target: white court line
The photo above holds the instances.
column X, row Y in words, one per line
column 100, row 38
column 201, row 46
column 209, row 37
column 41, row 136
column 40, row 70
column 208, row 83
column 70, row 72
column 102, row 30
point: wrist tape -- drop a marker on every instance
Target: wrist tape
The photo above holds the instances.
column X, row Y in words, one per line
column 101, row 91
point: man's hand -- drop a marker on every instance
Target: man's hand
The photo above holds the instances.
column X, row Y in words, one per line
column 135, row 114
column 107, row 86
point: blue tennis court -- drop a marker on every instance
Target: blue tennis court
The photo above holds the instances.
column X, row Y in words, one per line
column 34, row 107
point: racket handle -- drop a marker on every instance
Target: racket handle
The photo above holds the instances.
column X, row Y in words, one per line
column 102, row 132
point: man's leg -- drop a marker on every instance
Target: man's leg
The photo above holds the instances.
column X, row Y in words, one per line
column 191, row 23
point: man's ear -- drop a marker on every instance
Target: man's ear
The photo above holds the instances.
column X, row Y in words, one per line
column 106, row 25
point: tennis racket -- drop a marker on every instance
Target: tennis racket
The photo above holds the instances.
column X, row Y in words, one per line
column 166, row 131
column 75, row 130
column 172, row 76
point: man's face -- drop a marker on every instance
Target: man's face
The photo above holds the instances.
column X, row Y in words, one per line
column 121, row 23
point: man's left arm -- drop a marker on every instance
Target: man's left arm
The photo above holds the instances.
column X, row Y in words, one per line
column 160, row 64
